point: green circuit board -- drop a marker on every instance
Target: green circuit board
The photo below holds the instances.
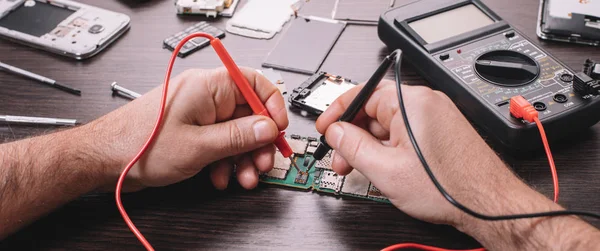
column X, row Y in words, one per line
column 320, row 178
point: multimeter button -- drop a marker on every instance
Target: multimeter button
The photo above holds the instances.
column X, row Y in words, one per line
column 509, row 34
column 445, row 56
column 566, row 77
column 96, row 28
column 560, row 98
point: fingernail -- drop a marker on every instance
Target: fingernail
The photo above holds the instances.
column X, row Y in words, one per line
column 335, row 133
column 262, row 131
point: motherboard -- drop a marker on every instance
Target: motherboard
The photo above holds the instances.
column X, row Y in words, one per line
column 319, row 178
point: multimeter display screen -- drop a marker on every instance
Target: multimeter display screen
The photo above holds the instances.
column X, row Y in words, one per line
column 35, row 18
column 450, row 23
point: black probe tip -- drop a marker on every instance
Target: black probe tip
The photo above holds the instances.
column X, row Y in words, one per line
column 322, row 149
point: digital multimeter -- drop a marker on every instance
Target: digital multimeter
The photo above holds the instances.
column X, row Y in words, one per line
column 480, row 61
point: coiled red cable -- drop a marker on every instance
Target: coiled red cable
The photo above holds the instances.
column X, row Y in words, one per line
column 151, row 138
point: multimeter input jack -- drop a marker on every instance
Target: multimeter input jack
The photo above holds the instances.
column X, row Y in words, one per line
column 539, row 106
column 560, row 98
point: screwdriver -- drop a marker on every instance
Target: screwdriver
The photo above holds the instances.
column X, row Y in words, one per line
column 357, row 104
column 248, row 92
column 40, row 78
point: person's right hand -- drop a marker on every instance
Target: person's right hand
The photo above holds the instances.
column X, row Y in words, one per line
column 380, row 149
column 464, row 164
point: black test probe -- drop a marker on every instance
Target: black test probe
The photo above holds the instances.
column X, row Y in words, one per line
column 357, row 103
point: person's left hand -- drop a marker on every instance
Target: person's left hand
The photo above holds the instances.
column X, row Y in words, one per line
column 207, row 123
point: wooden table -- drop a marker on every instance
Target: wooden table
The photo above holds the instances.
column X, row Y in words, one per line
column 191, row 215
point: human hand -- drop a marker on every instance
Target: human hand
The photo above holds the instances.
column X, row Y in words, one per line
column 378, row 146
column 207, row 122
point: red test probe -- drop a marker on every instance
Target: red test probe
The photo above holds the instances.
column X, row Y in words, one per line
column 248, row 92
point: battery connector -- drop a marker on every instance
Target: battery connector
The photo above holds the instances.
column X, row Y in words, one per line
column 521, row 108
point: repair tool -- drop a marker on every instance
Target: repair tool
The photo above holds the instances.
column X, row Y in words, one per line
column 124, row 91
column 480, row 61
column 38, row 120
column 39, row 78
column 357, row 104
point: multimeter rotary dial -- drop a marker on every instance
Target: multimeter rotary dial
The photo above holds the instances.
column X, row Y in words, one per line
column 507, row 68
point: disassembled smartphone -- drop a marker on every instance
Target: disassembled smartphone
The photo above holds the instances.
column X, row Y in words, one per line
column 319, row 91
column 319, row 178
column 63, row 27
column 569, row 21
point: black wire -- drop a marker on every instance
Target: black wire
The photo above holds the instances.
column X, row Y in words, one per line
column 441, row 189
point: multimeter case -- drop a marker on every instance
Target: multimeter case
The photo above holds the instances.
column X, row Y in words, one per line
column 512, row 133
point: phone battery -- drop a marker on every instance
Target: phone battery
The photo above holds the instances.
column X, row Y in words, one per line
column 319, row 91
column 194, row 44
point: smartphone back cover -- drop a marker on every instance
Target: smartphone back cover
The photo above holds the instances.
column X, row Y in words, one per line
column 305, row 45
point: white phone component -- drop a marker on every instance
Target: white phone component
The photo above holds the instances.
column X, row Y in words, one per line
column 61, row 26
column 210, row 8
column 229, row 8
column 261, row 18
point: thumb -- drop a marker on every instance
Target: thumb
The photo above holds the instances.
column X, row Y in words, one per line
column 359, row 148
column 237, row 136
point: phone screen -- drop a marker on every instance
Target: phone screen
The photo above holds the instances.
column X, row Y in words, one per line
column 35, row 18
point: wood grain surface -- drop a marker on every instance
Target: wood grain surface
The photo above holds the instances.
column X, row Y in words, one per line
column 192, row 215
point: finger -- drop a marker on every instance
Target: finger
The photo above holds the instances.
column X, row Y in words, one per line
column 340, row 105
column 337, row 108
column 340, row 165
column 221, row 173
column 247, row 174
column 241, row 111
column 377, row 129
column 218, row 141
column 265, row 90
column 374, row 127
column 357, row 147
column 264, row 158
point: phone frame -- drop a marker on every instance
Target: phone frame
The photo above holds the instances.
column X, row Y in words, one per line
column 74, row 41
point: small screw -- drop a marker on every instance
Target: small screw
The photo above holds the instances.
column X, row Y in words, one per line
column 122, row 90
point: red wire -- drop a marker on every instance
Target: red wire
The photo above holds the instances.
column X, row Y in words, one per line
column 423, row 247
column 554, row 180
column 550, row 158
column 153, row 135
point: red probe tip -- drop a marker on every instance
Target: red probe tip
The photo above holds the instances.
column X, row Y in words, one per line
column 283, row 146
